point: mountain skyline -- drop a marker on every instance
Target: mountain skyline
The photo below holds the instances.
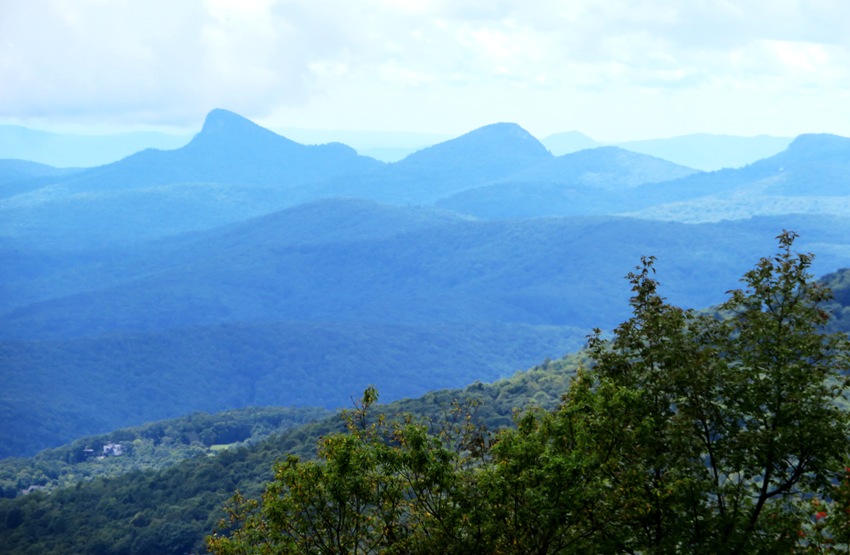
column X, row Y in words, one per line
column 265, row 267
column 703, row 151
column 234, row 169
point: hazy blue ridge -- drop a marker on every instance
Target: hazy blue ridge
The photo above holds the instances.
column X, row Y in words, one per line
column 480, row 156
column 234, row 170
column 228, row 149
column 589, row 182
column 230, row 171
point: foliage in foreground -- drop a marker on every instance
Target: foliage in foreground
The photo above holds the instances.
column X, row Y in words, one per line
column 171, row 510
column 686, row 432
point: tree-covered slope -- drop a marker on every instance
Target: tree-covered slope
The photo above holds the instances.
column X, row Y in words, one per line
column 152, row 446
column 686, row 431
column 170, row 511
column 271, row 311
column 528, row 271
column 57, row 390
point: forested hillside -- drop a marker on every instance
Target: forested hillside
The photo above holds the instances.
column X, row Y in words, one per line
column 171, row 510
column 232, row 262
column 229, row 273
column 58, row 390
column 726, row 433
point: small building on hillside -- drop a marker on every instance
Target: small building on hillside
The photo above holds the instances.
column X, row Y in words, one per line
column 113, row 449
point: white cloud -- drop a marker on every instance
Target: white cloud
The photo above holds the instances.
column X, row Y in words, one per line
column 437, row 65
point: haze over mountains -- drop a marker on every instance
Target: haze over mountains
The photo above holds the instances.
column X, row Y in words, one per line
column 701, row 151
column 246, row 268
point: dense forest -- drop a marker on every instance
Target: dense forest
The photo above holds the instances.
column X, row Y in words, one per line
column 686, row 432
column 619, row 447
column 245, row 269
column 141, row 298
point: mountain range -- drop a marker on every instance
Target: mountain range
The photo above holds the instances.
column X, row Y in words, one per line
column 246, row 268
column 703, row 151
column 159, row 498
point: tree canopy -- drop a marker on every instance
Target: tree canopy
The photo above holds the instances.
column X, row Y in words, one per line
column 684, row 431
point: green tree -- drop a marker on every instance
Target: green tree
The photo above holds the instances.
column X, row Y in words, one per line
column 721, row 423
column 684, row 432
column 400, row 486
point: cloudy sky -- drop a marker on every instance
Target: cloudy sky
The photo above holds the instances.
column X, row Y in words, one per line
column 613, row 69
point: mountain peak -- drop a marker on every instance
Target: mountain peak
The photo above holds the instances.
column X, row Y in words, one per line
column 496, row 144
column 224, row 126
column 819, row 145
column 219, row 117
column 504, row 131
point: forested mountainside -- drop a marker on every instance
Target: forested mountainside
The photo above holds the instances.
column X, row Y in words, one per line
column 57, row 390
column 120, row 282
column 724, row 432
column 269, row 312
column 170, row 511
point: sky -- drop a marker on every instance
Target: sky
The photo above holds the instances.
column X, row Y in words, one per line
column 615, row 70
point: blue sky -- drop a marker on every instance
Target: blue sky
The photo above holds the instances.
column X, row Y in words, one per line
column 613, row 69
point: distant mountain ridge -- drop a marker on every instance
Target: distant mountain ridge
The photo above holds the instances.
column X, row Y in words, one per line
column 484, row 249
column 811, row 176
column 480, row 156
column 231, row 170
column 569, row 142
column 588, row 182
column 707, row 152
column 228, row 149
column 607, row 167
column 234, row 169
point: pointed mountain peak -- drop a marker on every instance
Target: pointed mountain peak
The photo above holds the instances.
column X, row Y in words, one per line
column 224, row 126
column 221, row 119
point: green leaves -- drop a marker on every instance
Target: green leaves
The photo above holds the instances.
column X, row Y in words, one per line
column 685, row 432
